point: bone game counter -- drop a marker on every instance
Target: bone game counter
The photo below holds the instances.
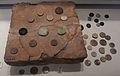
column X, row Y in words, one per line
column 100, row 25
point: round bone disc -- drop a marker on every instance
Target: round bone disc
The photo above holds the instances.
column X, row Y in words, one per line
column 107, row 37
column 97, row 62
column 87, row 62
column 89, row 47
column 102, row 34
column 61, row 31
column 103, row 59
column 93, row 54
column 43, row 32
column 112, row 45
column 95, row 35
column 102, row 50
column 85, row 36
column 108, row 57
column 103, row 42
column 93, row 42
column 113, row 51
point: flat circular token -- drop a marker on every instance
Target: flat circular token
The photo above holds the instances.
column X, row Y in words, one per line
column 102, row 34
column 59, row 10
column 64, row 18
column 97, row 62
column 85, row 36
column 111, row 44
column 113, row 51
column 14, row 51
column 43, row 32
column 108, row 57
column 93, row 54
column 102, row 50
column 107, row 37
column 98, row 15
column 87, row 62
column 95, row 35
column 93, row 42
column 103, row 59
column 103, row 42
column 89, row 47
column 32, row 43
column 61, row 31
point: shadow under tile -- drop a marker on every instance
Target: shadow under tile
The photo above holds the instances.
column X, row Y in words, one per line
column 53, row 68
